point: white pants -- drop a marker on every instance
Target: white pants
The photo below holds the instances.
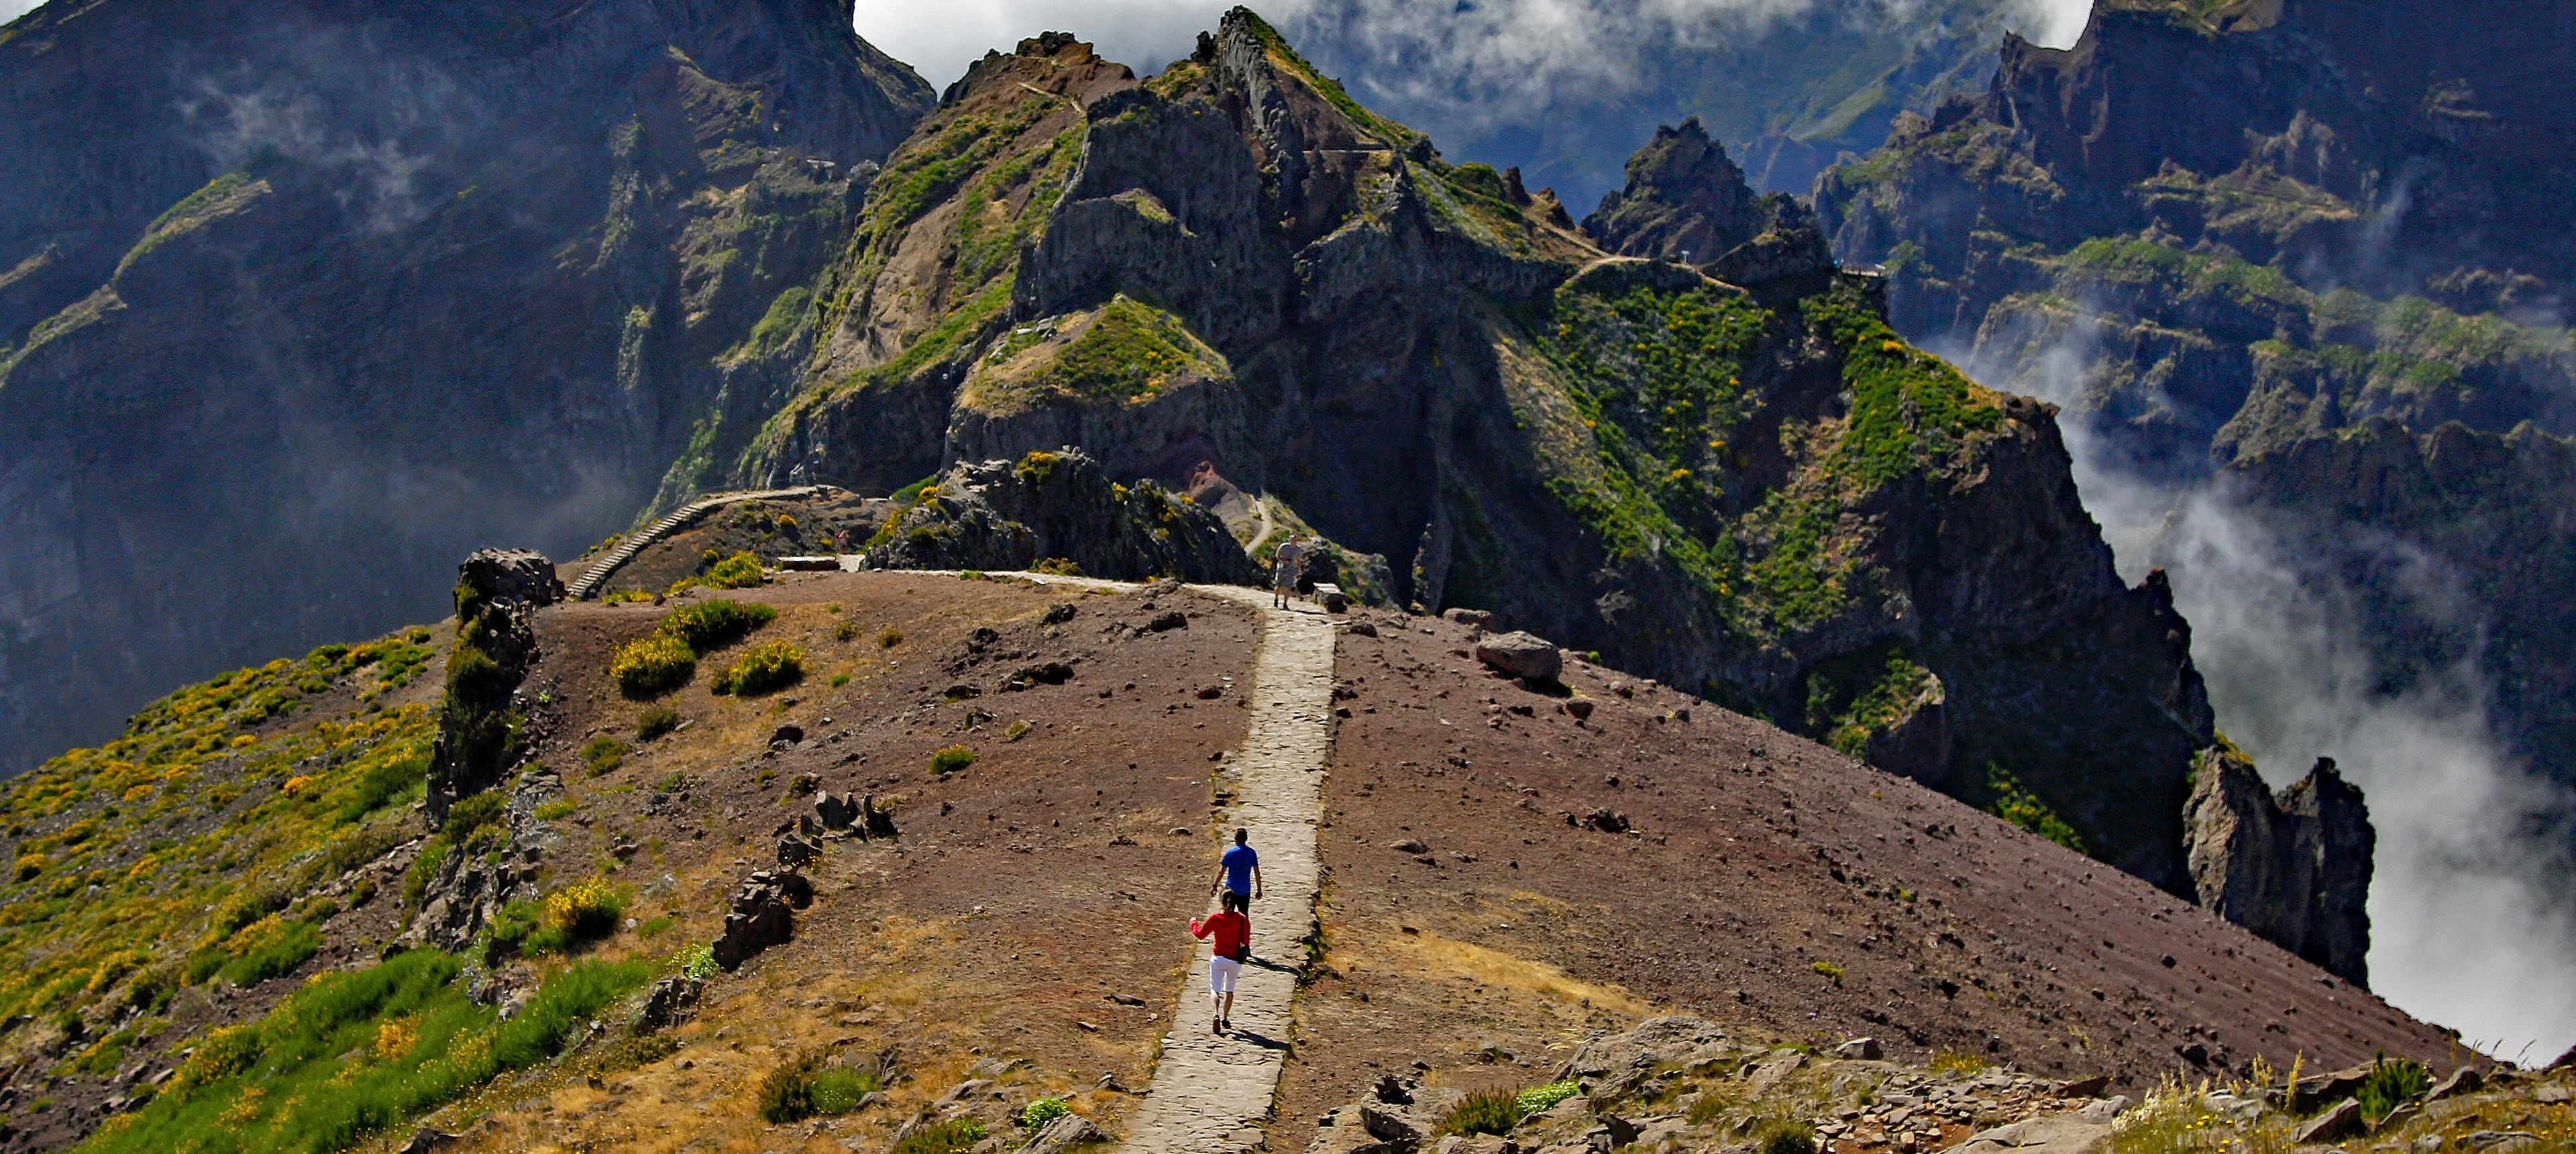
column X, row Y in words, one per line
column 1221, row 974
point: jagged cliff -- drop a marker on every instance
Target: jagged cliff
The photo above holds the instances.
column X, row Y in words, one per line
column 2293, row 866
column 298, row 305
column 2273, row 251
column 1751, row 487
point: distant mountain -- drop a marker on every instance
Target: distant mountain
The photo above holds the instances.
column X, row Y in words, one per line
column 2294, row 249
column 1786, row 92
column 300, row 303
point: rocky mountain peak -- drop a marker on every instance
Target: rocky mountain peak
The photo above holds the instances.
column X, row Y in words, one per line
column 1686, row 201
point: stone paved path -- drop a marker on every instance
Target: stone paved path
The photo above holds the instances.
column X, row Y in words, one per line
column 1212, row 1094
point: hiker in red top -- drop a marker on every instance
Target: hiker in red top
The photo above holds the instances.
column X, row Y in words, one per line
column 1229, row 935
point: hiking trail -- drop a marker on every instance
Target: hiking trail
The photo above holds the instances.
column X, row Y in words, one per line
column 1212, row 1093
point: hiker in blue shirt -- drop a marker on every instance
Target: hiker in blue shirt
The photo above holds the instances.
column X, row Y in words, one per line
column 1239, row 870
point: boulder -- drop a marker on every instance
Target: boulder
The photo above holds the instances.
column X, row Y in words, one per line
column 1863, row 1049
column 1168, row 620
column 1331, row 597
column 837, row 811
column 1579, row 708
column 1363, row 629
column 1062, row 1134
column 1058, row 613
column 521, row 575
column 426, row 1139
column 2045, row 1134
column 1474, row 618
column 1613, row 1067
column 669, row 1003
column 2343, row 1120
column 794, row 852
column 786, row 735
column 1521, row 655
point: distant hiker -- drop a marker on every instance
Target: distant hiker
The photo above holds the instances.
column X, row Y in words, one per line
column 1229, row 938
column 1239, row 871
column 1286, row 566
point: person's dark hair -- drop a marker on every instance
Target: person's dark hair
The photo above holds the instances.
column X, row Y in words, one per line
column 1241, row 833
column 1234, row 901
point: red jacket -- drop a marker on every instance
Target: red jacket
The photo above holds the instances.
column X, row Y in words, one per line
column 1232, row 933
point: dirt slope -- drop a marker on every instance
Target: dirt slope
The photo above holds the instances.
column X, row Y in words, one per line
column 1750, row 856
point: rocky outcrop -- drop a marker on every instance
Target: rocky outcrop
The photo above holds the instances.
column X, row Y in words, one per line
column 762, row 914
column 2293, row 867
column 480, row 723
column 1059, row 505
column 381, row 284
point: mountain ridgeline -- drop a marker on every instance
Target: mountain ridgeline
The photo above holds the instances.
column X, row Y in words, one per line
column 299, row 305
column 1747, row 485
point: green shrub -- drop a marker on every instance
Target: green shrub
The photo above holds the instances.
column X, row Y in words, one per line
column 769, row 667
column 809, row 1085
column 384, row 782
column 1828, row 969
column 472, row 813
column 2016, row 804
column 710, row 624
column 655, row 722
column 1483, row 1112
column 604, row 753
column 561, row 807
column 837, row 1090
column 1041, row 1111
column 2389, row 1082
column 889, row 637
column 269, row 948
column 740, row 571
column 423, row 870
column 1789, row 1138
column 951, row 759
column 654, row 664
column 697, row 961
column 844, row 631
column 947, row 1137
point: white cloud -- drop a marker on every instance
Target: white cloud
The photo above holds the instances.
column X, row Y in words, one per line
column 13, row 9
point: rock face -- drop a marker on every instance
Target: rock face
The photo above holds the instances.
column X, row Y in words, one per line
column 1760, row 494
column 763, row 914
column 2293, row 867
column 1059, row 505
column 481, row 728
column 381, row 284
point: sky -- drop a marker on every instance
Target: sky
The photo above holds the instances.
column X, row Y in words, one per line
column 941, row 40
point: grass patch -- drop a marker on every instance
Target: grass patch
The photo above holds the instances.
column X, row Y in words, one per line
column 1042, row 1111
column 1828, row 969
column 278, row 1084
column 1788, row 1138
column 604, row 753
column 1483, row 1112
column 951, row 759
column 1956, row 1062
column 949, row 1137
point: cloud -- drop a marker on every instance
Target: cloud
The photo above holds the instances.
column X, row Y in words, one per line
column 13, row 9
column 2472, row 925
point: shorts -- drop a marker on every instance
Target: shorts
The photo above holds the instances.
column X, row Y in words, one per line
column 1221, row 974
